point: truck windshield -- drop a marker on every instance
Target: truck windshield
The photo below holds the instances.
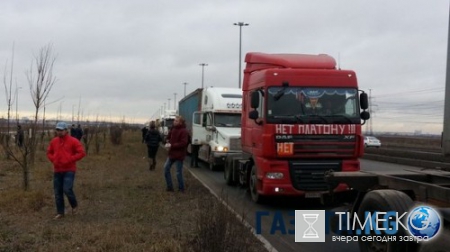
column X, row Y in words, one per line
column 312, row 105
column 227, row 120
column 168, row 122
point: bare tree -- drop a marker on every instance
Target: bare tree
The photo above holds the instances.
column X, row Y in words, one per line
column 12, row 151
column 7, row 82
column 40, row 82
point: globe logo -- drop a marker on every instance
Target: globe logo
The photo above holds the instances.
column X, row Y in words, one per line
column 424, row 221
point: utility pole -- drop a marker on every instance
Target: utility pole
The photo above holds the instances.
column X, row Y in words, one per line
column 240, row 24
column 59, row 111
column 174, row 101
column 168, row 104
column 79, row 107
column 370, row 111
column 445, row 141
column 73, row 106
column 185, row 83
column 203, row 71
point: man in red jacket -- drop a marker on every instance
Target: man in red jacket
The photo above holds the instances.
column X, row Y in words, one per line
column 177, row 143
column 64, row 151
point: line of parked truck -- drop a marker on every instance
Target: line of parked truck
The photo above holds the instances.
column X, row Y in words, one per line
column 295, row 129
column 296, row 117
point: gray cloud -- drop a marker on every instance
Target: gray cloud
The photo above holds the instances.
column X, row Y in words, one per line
column 128, row 58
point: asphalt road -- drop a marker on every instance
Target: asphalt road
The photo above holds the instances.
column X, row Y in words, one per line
column 281, row 209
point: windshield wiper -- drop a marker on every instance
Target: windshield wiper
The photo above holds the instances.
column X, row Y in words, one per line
column 280, row 93
column 290, row 118
column 323, row 118
column 299, row 118
column 286, row 119
column 345, row 117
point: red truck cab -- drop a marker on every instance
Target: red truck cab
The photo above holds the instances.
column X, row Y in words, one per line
column 301, row 117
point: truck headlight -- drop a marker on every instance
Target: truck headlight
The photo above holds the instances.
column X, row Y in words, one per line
column 221, row 148
column 274, row 175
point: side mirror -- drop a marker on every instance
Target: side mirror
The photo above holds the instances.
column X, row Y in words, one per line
column 253, row 114
column 365, row 115
column 364, row 101
column 204, row 120
column 254, row 102
column 211, row 128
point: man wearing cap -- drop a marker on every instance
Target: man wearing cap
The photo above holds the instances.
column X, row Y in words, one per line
column 64, row 151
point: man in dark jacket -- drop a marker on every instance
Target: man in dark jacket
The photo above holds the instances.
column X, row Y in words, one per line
column 73, row 131
column 78, row 132
column 19, row 136
column 144, row 133
column 152, row 140
column 195, row 147
column 177, row 142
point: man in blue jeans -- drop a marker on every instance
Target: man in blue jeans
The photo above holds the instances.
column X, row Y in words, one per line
column 177, row 142
column 64, row 151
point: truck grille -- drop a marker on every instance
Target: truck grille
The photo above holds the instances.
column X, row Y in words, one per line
column 309, row 175
column 235, row 144
column 311, row 146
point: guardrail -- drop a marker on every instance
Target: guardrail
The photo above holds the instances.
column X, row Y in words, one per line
column 431, row 160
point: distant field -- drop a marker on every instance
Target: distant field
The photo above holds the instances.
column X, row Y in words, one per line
column 410, row 148
column 411, row 141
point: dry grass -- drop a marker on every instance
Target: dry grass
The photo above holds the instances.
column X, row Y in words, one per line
column 123, row 207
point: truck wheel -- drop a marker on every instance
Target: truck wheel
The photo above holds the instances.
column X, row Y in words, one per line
column 383, row 201
column 212, row 166
column 256, row 197
column 228, row 175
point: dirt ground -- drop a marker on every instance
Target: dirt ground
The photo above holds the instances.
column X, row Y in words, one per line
column 122, row 207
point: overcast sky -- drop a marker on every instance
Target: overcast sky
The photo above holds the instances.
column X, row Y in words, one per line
column 125, row 59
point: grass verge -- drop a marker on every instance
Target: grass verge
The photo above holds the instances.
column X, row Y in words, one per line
column 122, row 207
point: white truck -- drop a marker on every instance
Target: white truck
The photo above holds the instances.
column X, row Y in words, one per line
column 165, row 122
column 213, row 119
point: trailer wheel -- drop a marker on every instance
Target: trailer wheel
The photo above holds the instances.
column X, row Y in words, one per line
column 383, row 201
column 256, row 197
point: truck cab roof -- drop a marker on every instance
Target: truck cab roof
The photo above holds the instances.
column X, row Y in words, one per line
column 257, row 61
column 222, row 99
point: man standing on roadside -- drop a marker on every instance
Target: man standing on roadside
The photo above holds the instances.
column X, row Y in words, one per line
column 194, row 155
column 152, row 139
column 144, row 133
column 79, row 132
column 177, row 143
column 73, row 130
column 64, row 151
column 19, row 136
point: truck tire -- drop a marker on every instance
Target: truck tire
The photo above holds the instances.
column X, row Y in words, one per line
column 383, row 201
column 228, row 171
column 228, row 175
column 212, row 167
column 253, row 181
